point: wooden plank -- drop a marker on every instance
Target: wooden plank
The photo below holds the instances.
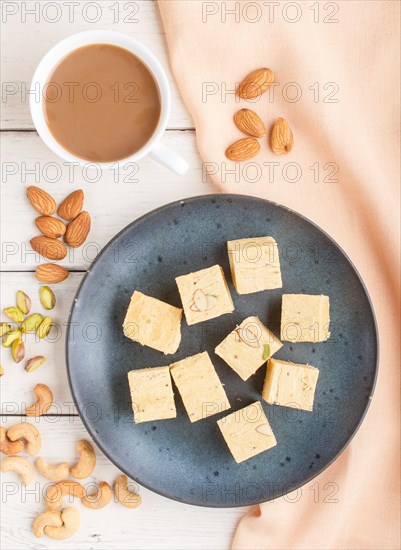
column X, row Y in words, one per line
column 158, row 523
column 114, row 200
column 43, row 24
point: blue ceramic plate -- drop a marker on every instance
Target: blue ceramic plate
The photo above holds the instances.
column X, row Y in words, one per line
column 191, row 462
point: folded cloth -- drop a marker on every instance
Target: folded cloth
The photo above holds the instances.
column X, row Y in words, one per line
column 337, row 66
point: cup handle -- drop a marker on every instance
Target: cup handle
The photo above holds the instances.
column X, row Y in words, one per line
column 168, row 158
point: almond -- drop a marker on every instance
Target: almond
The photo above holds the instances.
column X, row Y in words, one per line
column 78, row 230
column 41, row 201
column 71, row 205
column 243, row 149
column 249, row 123
column 256, row 83
column 200, row 300
column 264, row 429
column 50, row 227
column 49, row 248
column 51, row 273
column 281, row 139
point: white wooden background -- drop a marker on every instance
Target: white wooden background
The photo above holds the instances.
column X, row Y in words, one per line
column 159, row 523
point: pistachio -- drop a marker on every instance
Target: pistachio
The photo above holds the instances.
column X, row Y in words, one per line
column 4, row 328
column 35, row 362
column 14, row 313
column 47, row 297
column 31, row 322
column 10, row 337
column 18, row 350
column 23, row 302
column 266, row 351
column 1, row 371
column 44, row 328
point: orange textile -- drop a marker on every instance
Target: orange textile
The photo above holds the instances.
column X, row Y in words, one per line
column 337, row 68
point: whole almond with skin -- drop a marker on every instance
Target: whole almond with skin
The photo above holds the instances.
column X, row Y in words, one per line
column 249, row 123
column 243, row 149
column 281, row 139
column 50, row 227
column 49, row 248
column 71, row 205
column 41, row 201
column 256, row 83
column 78, row 230
column 51, row 273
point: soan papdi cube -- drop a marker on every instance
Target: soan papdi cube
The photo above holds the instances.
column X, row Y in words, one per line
column 254, row 264
column 248, row 346
column 204, row 294
column 151, row 394
column 153, row 323
column 290, row 384
column 247, row 432
column 200, row 388
column 305, row 318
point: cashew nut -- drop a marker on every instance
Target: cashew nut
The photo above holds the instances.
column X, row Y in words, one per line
column 55, row 493
column 71, row 521
column 126, row 497
column 100, row 499
column 7, row 446
column 18, row 465
column 56, row 472
column 51, row 517
column 44, row 400
column 29, row 433
column 87, row 460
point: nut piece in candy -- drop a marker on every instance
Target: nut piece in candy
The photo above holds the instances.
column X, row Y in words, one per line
column 19, row 465
column 31, row 323
column 1, row 371
column 100, row 499
column 87, row 460
column 18, row 350
column 44, row 328
column 50, row 517
column 56, row 472
column 4, row 328
column 23, row 302
column 78, row 230
column 243, row 149
column 71, row 522
column 256, row 83
column 50, row 227
column 127, row 498
column 44, row 400
column 281, row 139
column 34, row 363
column 11, row 337
column 7, row 446
column 49, row 248
column 41, row 201
column 55, row 493
column 47, row 297
column 71, row 205
column 249, row 123
column 51, row 273
column 28, row 432
column 14, row 313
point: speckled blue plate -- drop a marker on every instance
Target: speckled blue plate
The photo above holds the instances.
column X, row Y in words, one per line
column 191, row 462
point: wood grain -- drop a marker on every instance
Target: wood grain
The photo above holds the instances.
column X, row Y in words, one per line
column 158, row 523
column 41, row 30
column 113, row 201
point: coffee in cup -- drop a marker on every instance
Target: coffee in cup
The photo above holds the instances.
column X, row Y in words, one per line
column 102, row 103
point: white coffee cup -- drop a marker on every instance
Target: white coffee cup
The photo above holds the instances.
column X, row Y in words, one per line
column 154, row 148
